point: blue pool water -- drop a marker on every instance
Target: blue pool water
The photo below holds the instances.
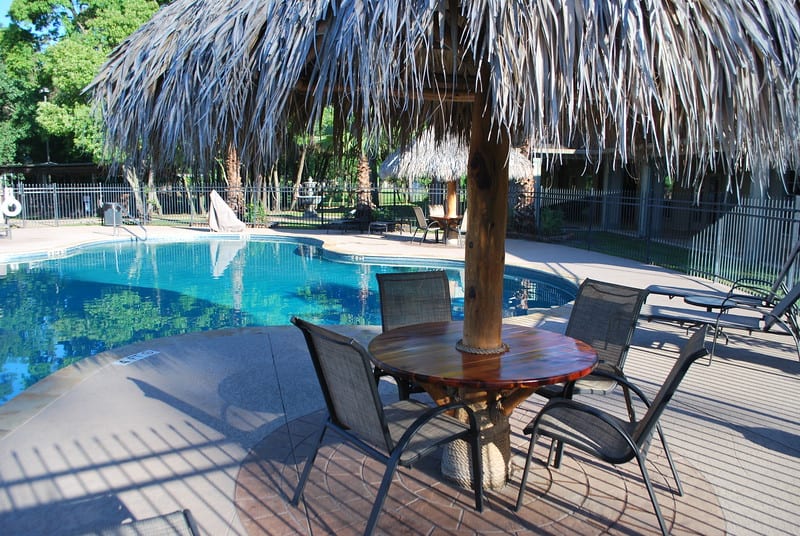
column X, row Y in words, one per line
column 55, row 312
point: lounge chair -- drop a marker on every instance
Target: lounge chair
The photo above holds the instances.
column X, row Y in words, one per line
column 424, row 225
column 747, row 290
column 779, row 319
column 396, row 434
column 609, row 438
column 358, row 219
column 412, row 298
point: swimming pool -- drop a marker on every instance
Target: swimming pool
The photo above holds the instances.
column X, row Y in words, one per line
column 54, row 312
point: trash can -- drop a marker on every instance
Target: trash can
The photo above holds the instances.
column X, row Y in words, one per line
column 112, row 214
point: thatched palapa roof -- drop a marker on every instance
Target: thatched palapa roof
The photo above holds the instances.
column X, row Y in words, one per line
column 689, row 82
column 707, row 80
column 443, row 160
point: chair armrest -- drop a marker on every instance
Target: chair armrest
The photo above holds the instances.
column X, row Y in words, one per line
column 758, row 288
column 435, row 411
column 625, row 382
column 751, row 283
column 574, row 405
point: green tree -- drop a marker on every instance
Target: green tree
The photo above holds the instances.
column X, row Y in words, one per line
column 71, row 41
column 18, row 87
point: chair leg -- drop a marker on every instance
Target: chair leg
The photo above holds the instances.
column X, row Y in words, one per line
column 629, row 404
column 557, row 447
column 669, row 459
column 717, row 331
column 713, row 346
column 652, row 493
column 524, row 481
column 403, row 389
column 298, row 492
column 477, row 470
column 556, row 452
column 383, row 490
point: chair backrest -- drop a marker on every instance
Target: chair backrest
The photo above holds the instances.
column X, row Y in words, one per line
column 463, row 227
column 421, row 221
column 604, row 315
column 693, row 350
column 413, row 298
column 784, row 306
column 344, row 371
column 436, row 210
column 779, row 283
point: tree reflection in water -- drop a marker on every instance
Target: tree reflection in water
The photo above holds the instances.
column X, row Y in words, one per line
column 55, row 312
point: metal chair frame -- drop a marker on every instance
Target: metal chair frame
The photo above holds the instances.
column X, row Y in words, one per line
column 608, row 437
column 396, row 434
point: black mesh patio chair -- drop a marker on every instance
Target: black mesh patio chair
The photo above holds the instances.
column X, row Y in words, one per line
column 424, row 225
column 604, row 315
column 396, row 434
column 412, row 298
column 610, row 438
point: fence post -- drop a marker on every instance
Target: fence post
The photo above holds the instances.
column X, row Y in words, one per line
column 55, row 204
column 537, row 193
column 794, row 234
column 592, row 215
column 649, row 226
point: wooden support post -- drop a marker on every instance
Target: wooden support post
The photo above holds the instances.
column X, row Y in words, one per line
column 451, row 208
column 484, row 256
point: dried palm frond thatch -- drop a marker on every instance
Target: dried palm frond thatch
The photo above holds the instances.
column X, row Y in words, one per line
column 693, row 83
column 443, row 160
column 700, row 81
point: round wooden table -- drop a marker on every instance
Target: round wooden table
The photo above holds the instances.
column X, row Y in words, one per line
column 448, row 223
column 493, row 384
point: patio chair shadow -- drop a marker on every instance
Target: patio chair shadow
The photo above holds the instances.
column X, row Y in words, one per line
column 422, row 501
column 246, row 438
column 67, row 516
column 773, row 439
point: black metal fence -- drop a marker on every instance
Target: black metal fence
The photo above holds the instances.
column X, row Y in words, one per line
column 716, row 240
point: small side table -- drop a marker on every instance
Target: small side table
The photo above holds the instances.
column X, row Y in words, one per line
column 710, row 302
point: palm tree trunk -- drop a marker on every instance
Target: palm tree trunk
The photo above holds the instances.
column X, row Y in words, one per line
column 299, row 177
column 152, row 197
column 364, row 194
column 132, row 178
column 276, row 188
column 233, row 176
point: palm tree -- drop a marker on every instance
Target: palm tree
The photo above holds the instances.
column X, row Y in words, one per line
column 691, row 83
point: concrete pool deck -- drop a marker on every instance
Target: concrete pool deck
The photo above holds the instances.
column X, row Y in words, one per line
column 218, row 422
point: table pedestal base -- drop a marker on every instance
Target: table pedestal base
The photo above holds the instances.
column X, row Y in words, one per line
column 495, row 450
